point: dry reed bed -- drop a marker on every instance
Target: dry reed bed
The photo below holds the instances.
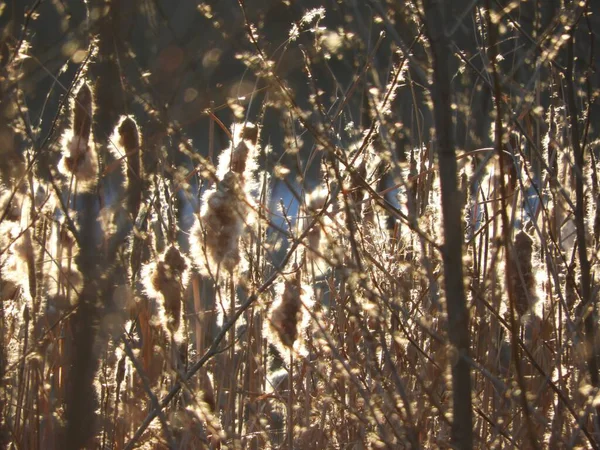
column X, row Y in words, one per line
column 316, row 324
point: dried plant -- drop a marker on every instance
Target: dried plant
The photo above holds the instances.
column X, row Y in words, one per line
column 290, row 312
column 376, row 227
column 523, row 276
column 79, row 155
column 165, row 281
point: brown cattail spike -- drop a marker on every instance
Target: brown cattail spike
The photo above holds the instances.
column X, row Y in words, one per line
column 250, row 133
column 286, row 316
column 246, row 140
column 129, row 140
column 128, row 135
column 239, row 156
column 79, row 156
column 523, row 278
column 223, row 222
column 82, row 114
column 167, row 279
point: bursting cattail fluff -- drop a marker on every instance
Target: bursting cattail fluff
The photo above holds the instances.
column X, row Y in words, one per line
column 216, row 234
column 240, row 156
column 127, row 150
column 215, row 237
column 79, row 155
column 165, row 281
column 289, row 316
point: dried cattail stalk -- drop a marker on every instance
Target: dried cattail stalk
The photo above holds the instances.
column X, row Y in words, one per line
column 523, row 278
column 287, row 316
column 79, row 155
column 128, row 147
column 165, row 281
column 215, row 237
column 82, row 113
column 240, row 157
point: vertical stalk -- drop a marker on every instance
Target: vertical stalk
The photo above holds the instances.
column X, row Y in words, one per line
column 232, row 364
column 506, row 227
column 458, row 316
column 290, row 405
column 588, row 301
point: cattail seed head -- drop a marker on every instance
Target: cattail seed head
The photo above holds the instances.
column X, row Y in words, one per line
column 245, row 142
column 240, row 157
column 82, row 113
column 165, row 281
column 79, row 155
column 215, row 237
column 523, row 278
column 129, row 138
column 120, row 371
column 357, row 190
column 288, row 317
column 208, row 392
column 128, row 148
column 11, row 204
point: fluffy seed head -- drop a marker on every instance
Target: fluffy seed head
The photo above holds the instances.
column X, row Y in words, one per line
column 286, row 317
column 215, row 237
column 164, row 281
column 127, row 140
column 240, row 157
column 79, row 155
